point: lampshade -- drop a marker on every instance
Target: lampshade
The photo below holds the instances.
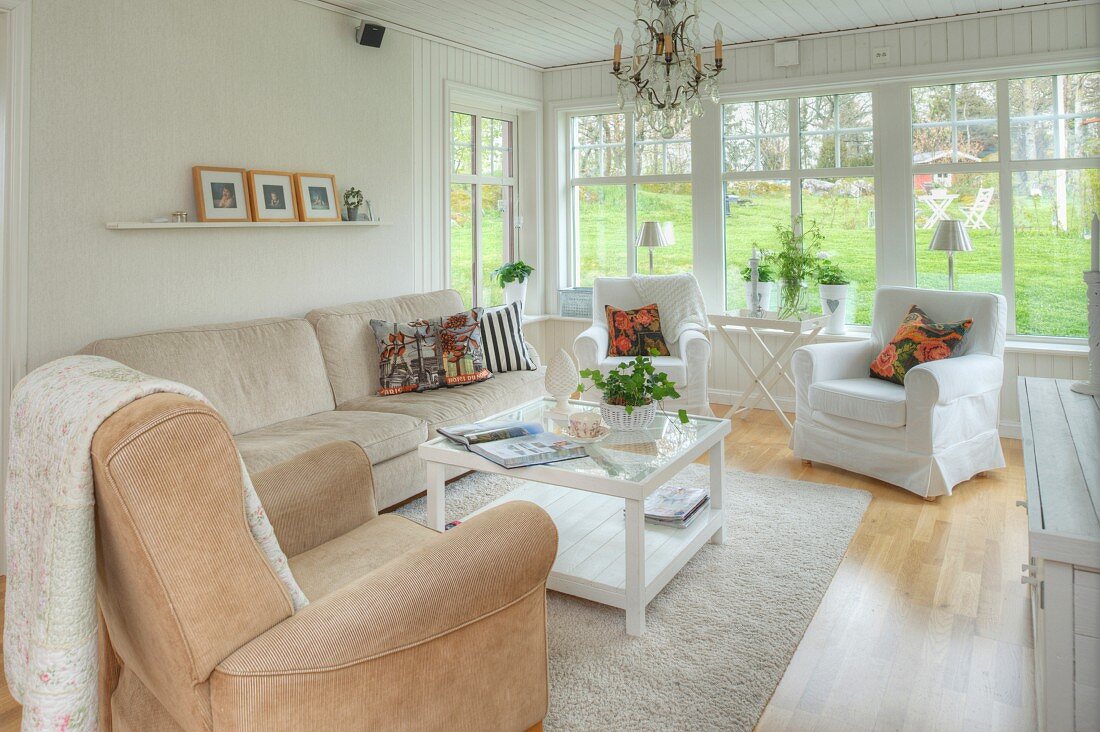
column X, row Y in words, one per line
column 950, row 236
column 650, row 236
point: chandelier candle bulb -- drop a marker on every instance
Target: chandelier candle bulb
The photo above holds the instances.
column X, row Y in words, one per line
column 618, row 48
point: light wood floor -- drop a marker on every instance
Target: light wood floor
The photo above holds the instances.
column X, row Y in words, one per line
column 925, row 626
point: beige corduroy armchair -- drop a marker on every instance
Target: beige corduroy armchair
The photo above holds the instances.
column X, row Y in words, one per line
column 406, row 628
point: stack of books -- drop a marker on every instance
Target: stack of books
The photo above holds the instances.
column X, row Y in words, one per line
column 676, row 506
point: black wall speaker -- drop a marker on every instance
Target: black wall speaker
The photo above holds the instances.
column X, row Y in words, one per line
column 369, row 34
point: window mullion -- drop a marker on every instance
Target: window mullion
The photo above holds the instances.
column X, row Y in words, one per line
column 630, row 194
column 1004, row 184
column 793, row 125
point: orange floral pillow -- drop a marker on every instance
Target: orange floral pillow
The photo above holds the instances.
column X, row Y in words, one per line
column 635, row 332
column 918, row 340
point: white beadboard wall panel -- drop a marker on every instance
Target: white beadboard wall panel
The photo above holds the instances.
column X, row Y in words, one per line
column 1068, row 30
column 728, row 380
column 161, row 86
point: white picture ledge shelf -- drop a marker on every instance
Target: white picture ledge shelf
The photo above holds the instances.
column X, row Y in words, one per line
column 120, row 225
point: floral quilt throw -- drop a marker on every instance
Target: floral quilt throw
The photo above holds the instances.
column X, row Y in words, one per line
column 918, row 340
column 50, row 633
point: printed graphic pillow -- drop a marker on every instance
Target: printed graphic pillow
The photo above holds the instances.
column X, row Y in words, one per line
column 635, row 332
column 430, row 353
column 502, row 339
column 918, row 340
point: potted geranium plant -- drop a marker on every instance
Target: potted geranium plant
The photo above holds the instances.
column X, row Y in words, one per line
column 631, row 393
column 765, row 276
column 353, row 199
column 833, row 283
column 795, row 264
column 512, row 277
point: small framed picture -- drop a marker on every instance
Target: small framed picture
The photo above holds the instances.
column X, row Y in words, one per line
column 316, row 197
column 272, row 194
column 221, row 194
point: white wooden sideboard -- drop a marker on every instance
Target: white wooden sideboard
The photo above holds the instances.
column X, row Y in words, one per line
column 1061, row 435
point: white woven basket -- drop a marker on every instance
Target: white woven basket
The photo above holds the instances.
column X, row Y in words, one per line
column 638, row 419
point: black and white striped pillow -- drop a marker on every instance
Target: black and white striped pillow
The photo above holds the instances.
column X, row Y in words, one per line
column 502, row 340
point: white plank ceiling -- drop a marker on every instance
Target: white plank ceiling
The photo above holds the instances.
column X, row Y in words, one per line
column 550, row 33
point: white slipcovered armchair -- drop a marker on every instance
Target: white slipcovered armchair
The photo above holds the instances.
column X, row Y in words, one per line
column 927, row 436
column 689, row 348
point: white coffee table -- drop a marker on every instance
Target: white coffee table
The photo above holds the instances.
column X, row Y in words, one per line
column 604, row 555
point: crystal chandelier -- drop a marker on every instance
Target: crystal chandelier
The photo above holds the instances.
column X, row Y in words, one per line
column 667, row 76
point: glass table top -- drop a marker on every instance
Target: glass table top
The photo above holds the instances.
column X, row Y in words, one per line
column 630, row 456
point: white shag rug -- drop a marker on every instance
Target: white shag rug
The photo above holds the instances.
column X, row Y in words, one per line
column 719, row 636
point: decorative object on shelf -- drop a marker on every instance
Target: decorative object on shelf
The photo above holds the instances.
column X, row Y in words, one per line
column 272, row 194
column 353, row 199
column 575, row 302
column 1092, row 283
column 631, row 392
column 832, row 288
column 795, row 264
column 758, row 277
column 221, row 193
column 561, row 380
column 316, row 194
column 369, row 210
column 512, row 278
column 650, row 237
column 180, row 217
column 666, row 77
column 950, row 236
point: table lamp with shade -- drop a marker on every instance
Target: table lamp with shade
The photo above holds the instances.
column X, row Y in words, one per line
column 950, row 236
column 651, row 236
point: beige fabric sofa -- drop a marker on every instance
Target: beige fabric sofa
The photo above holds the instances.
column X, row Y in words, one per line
column 288, row 385
column 393, row 637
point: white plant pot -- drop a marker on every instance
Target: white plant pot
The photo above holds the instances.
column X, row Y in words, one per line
column 834, row 303
column 638, row 419
column 763, row 291
column 516, row 292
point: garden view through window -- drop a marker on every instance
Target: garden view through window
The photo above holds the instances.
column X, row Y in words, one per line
column 481, row 205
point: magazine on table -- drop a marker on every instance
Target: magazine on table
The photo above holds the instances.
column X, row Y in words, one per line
column 676, row 506
column 514, row 444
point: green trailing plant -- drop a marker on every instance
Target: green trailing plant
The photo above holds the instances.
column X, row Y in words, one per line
column 796, row 262
column 634, row 384
column 831, row 273
column 517, row 271
column 353, row 198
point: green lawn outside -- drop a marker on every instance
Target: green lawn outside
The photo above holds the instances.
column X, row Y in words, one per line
column 1049, row 292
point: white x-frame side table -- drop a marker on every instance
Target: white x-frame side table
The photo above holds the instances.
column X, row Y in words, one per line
column 766, row 379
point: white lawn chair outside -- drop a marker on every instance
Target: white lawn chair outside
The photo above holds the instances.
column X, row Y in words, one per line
column 975, row 212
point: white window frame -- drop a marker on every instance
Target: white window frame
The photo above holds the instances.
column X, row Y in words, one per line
column 631, row 181
column 796, row 174
column 476, row 180
column 1005, row 167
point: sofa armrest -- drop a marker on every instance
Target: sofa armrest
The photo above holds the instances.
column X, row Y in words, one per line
column 470, row 572
column 318, row 495
column 950, row 379
column 452, row 635
column 827, row 361
column 590, row 347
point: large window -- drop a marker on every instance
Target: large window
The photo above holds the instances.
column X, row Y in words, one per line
column 482, row 196
column 622, row 173
column 828, row 164
column 1026, row 201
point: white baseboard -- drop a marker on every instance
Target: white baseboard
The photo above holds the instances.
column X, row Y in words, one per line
column 1007, row 428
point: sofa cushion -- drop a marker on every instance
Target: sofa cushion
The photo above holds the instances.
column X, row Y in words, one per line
column 635, row 332
column 453, row 406
column 382, row 436
column 254, row 373
column 347, row 340
column 345, row 559
column 865, row 400
column 430, row 353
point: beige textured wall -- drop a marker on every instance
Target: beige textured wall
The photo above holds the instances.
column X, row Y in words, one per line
column 128, row 94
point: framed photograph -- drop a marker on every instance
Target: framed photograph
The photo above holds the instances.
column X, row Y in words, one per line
column 221, row 194
column 317, row 199
column 272, row 194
